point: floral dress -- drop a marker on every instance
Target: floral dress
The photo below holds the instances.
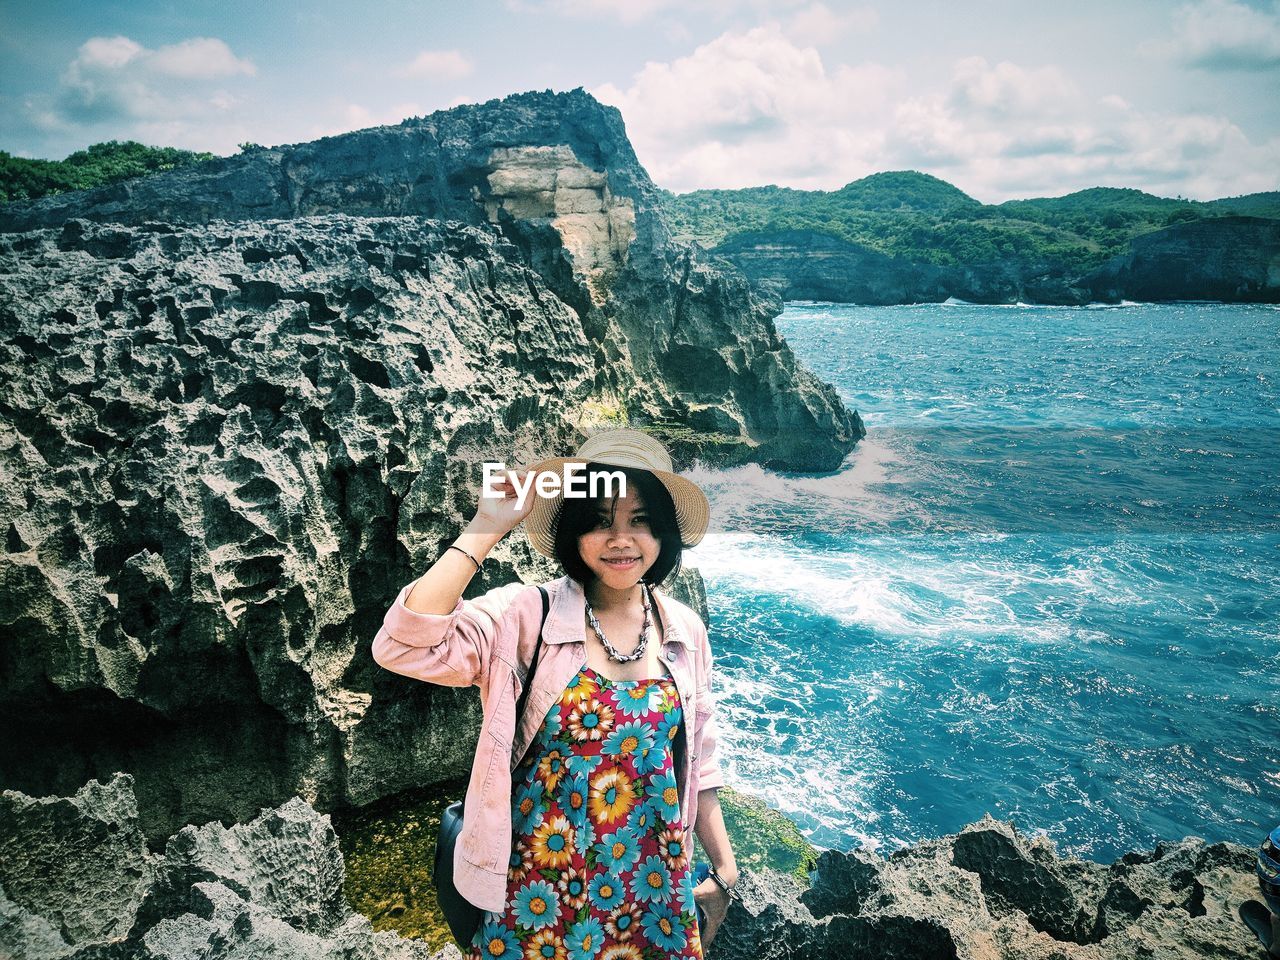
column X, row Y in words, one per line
column 599, row 869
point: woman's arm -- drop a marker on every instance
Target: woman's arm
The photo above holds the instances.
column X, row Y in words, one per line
column 710, row 826
column 439, row 589
column 713, row 835
column 431, row 633
column 714, row 838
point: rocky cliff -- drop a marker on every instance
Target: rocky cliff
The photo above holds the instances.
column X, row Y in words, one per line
column 1233, row 259
column 676, row 340
column 77, row 881
column 808, row 265
column 224, row 450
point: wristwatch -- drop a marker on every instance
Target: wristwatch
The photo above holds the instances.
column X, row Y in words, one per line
column 720, row 882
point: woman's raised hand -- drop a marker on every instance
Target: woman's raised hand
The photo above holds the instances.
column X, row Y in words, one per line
column 502, row 513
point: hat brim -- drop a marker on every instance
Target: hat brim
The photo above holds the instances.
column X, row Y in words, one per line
column 693, row 511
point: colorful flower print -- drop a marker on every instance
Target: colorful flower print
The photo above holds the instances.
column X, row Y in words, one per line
column 606, row 891
column 671, row 847
column 662, row 926
column 628, row 739
column 537, row 904
column 624, row 921
column 521, row 860
column 612, row 795
column 591, row 720
column 546, row 944
column 553, row 843
column 664, row 797
column 572, row 887
column 668, row 728
column 585, row 938
column 651, row 880
column 620, row 849
column 497, row 941
column 635, row 698
column 599, row 866
column 526, row 814
column 621, row 951
column 551, row 768
column 580, row 689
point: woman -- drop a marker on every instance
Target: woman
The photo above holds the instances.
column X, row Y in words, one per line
column 579, row 815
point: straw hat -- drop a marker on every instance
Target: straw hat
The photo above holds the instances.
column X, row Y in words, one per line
column 620, row 448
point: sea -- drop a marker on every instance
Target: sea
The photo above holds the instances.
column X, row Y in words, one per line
column 1044, row 586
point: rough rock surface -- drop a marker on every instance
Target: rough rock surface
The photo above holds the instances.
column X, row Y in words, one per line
column 1233, row 259
column 77, row 883
column 273, row 886
column 556, row 174
column 224, row 450
column 808, row 265
column 989, row 893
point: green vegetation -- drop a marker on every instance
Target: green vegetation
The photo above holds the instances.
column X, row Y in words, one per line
column 917, row 217
column 389, row 848
column 687, row 444
column 109, row 162
column 762, row 837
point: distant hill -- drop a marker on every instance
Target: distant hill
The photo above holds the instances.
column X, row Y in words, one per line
column 1251, row 205
column 918, row 217
column 1033, row 249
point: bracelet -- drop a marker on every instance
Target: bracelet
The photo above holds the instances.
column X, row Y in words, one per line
column 730, row 890
column 454, row 546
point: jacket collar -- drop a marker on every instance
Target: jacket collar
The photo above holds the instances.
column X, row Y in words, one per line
column 567, row 617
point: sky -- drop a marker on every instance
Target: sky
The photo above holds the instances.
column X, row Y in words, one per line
column 1003, row 99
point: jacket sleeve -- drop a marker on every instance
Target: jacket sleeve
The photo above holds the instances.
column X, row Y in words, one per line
column 451, row 649
column 710, row 775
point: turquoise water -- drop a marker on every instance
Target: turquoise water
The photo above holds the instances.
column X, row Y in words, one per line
column 1046, row 585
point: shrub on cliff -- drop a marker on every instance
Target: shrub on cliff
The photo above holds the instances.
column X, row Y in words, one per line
column 22, row 178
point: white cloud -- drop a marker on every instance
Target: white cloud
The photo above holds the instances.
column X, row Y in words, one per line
column 116, row 78
column 627, row 11
column 636, row 11
column 188, row 94
column 818, row 24
column 1008, row 90
column 439, row 65
column 1223, row 35
column 754, row 108
column 201, row 58
column 107, row 53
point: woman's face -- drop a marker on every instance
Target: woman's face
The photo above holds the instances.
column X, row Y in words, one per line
column 624, row 535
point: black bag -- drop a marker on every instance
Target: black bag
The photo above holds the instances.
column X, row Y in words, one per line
column 461, row 914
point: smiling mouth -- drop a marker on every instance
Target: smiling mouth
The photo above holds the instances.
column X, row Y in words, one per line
column 620, row 561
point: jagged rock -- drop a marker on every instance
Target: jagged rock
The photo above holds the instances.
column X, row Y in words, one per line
column 988, row 893
column 270, row 887
column 225, row 448
column 79, row 864
column 273, row 887
column 226, row 444
column 676, row 336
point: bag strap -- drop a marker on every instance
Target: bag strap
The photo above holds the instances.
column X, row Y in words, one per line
column 537, row 652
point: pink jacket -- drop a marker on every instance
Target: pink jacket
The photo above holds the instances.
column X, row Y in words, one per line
column 481, row 642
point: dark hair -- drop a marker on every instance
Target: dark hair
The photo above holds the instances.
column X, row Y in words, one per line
column 577, row 516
